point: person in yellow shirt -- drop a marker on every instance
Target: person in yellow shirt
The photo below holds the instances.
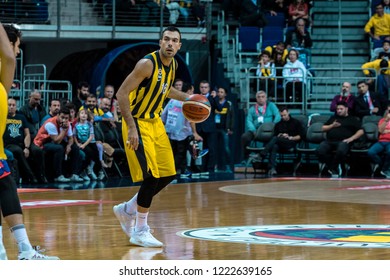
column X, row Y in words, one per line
column 378, row 27
column 279, row 54
column 378, row 69
column 9, row 200
column 376, row 65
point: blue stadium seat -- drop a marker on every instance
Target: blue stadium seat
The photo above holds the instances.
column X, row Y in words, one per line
column 271, row 35
column 277, row 21
column 248, row 38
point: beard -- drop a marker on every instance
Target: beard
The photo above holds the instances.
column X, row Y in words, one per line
column 83, row 96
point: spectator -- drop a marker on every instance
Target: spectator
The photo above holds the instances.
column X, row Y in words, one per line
column 178, row 129
column 184, row 9
column 198, row 10
column 378, row 27
column 298, row 9
column 298, row 37
column 174, row 11
column 53, row 110
column 263, row 111
column 376, row 70
column 92, row 107
column 82, row 94
column 294, row 74
column 55, row 137
column 386, row 6
column 72, row 110
column 383, row 79
column 126, row 12
column 149, row 12
column 373, row 68
column 383, row 52
column 84, row 137
column 106, row 122
column 178, row 84
column 109, row 93
column 341, row 130
column 345, row 95
column 251, row 14
column 206, row 131
column 367, row 103
column 224, row 121
column 17, row 140
column 98, row 114
column 275, row 7
column 266, row 73
column 383, row 145
column 287, row 133
column 279, row 55
column 34, row 112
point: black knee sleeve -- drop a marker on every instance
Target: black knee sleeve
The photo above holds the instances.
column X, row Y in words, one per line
column 163, row 182
column 9, row 199
column 146, row 192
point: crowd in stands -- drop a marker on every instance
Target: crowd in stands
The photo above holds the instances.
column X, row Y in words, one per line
column 201, row 148
column 147, row 12
column 281, row 67
column 345, row 128
column 68, row 142
column 71, row 137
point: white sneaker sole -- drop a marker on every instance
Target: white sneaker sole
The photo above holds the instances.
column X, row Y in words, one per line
column 119, row 217
column 138, row 243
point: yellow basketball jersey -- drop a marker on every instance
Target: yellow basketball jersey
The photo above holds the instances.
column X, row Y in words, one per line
column 147, row 100
column 3, row 118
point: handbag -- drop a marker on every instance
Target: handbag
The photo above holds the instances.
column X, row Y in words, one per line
column 108, row 150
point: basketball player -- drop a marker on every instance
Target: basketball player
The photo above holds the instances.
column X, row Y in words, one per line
column 148, row 150
column 9, row 200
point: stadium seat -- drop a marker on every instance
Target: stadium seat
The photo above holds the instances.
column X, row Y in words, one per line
column 271, row 35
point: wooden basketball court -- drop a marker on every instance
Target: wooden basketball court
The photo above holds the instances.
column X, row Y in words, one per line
column 80, row 224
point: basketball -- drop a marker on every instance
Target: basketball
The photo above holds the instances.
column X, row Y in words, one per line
column 196, row 108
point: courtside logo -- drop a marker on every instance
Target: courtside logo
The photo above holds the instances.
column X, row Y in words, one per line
column 351, row 236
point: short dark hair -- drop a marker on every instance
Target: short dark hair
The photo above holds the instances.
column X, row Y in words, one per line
column 267, row 53
column 82, row 84
column 384, row 63
column 64, row 110
column 54, row 99
column 91, row 95
column 342, row 103
column 186, row 87
column 70, row 106
column 225, row 89
column 13, row 32
column 283, row 108
column 172, row 29
column 362, row 82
